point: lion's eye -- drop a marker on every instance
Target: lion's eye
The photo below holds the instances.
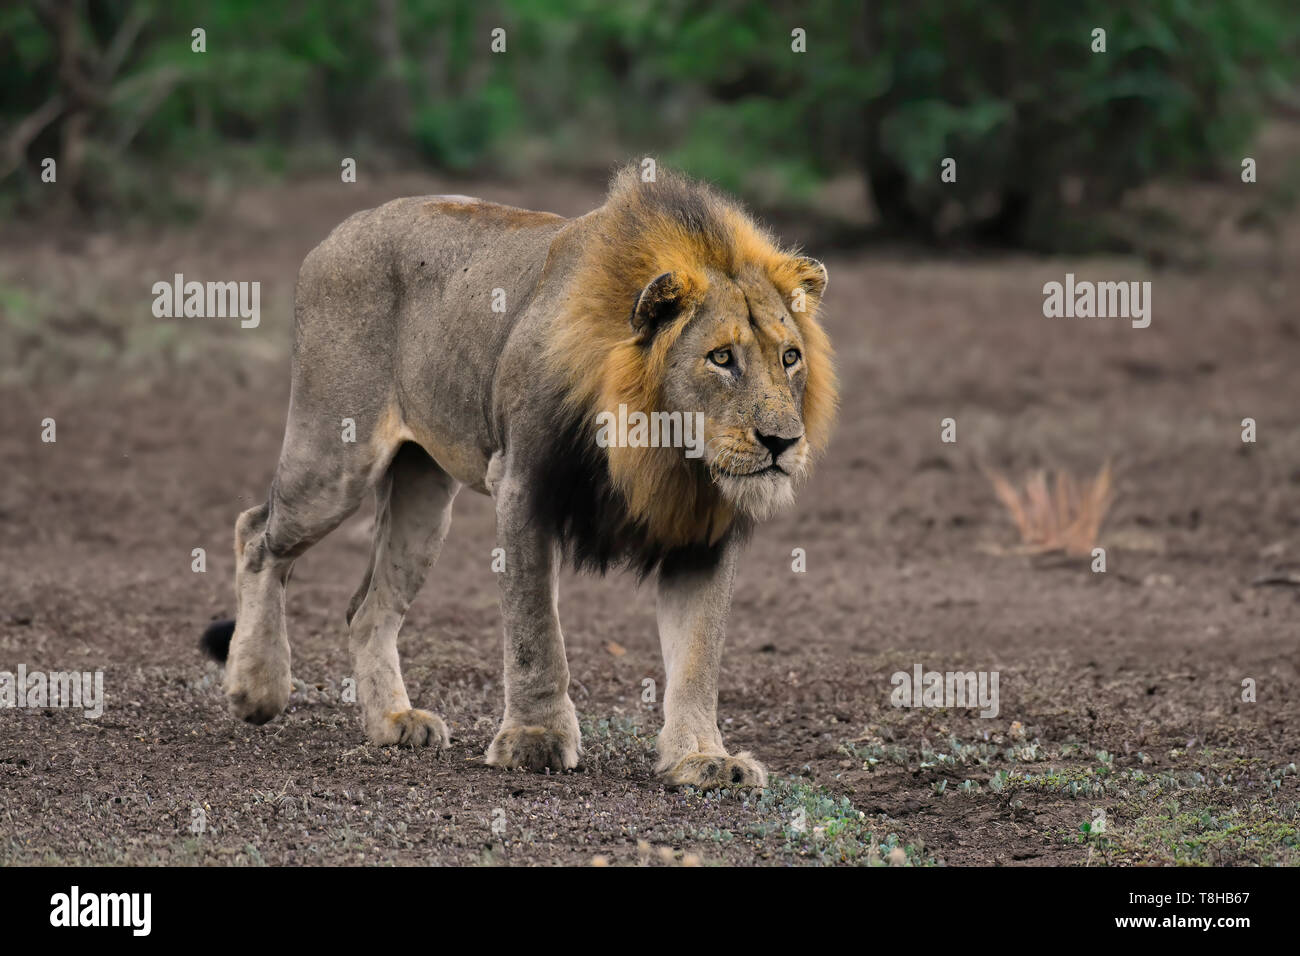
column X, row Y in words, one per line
column 721, row 357
column 791, row 356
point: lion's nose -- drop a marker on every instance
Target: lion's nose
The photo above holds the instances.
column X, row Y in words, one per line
column 776, row 444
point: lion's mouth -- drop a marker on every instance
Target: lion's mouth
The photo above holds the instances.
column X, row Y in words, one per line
column 756, row 473
column 759, row 493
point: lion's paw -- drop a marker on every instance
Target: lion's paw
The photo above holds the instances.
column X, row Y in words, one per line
column 410, row 728
column 258, row 701
column 714, row 771
column 533, row 748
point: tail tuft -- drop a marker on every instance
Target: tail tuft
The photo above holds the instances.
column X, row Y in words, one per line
column 215, row 641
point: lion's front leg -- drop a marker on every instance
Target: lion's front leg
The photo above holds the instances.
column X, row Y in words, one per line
column 540, row 728
column 694, row 599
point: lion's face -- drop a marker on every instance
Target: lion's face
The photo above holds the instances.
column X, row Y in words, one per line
column 741, row 362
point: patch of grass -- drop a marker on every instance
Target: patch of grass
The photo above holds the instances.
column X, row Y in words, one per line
column 956, row 754
column 815, row 823
column 1188, row 807
column 872, row 754
column 1195, row 832
column 618, row 741
column 1070, row 782
column 19, row 307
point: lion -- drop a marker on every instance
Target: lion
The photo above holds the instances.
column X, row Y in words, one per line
column 475, row 345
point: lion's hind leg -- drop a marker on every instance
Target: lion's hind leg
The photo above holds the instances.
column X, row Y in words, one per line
column 413, row 513
column 314, row 491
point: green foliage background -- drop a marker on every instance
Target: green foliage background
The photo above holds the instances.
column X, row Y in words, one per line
column 885, row 90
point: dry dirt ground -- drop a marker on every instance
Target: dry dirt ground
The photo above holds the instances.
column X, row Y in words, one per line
column 1120, row 692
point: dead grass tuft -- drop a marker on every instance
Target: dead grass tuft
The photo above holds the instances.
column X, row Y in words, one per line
column 1057, row 515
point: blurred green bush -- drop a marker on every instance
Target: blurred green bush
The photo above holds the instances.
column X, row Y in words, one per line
column 1012, row 90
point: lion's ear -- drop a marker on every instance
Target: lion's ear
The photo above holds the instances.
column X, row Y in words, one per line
column 812, row 275
column 658, row 302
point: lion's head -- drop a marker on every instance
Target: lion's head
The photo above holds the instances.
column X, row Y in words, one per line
column 684, row 308
column 740, row 361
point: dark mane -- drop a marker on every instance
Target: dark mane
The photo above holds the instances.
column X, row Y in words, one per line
column 574, row 499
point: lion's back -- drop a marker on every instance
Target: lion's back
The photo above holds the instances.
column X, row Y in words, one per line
column 432, row 266
column 440, row 244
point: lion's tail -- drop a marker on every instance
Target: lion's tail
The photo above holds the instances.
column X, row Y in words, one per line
column 215, row 641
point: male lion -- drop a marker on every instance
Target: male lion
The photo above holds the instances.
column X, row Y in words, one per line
column 475, row 345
